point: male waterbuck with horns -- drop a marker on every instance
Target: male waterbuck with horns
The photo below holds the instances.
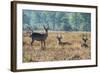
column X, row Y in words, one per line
column 40, row 36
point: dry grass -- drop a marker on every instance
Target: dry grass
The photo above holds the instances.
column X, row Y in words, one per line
column 55, row 52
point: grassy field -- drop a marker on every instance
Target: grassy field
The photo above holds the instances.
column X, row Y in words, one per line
column 54, row 51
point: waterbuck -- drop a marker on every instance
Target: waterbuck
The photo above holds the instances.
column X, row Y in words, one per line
column 40, row 36
column 85, row 40
column 62, row 43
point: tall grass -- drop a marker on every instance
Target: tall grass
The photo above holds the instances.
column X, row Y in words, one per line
column 54, row 51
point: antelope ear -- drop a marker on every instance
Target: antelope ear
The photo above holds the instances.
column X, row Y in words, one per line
column 48, row 27
column 44, row 27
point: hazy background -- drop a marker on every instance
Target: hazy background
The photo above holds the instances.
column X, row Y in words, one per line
column 57, row 21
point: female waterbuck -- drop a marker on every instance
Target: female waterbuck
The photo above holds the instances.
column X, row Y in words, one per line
column 40, row 37
column 62, row 43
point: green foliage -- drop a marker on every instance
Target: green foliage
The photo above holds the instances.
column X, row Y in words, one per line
column 57, row 20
